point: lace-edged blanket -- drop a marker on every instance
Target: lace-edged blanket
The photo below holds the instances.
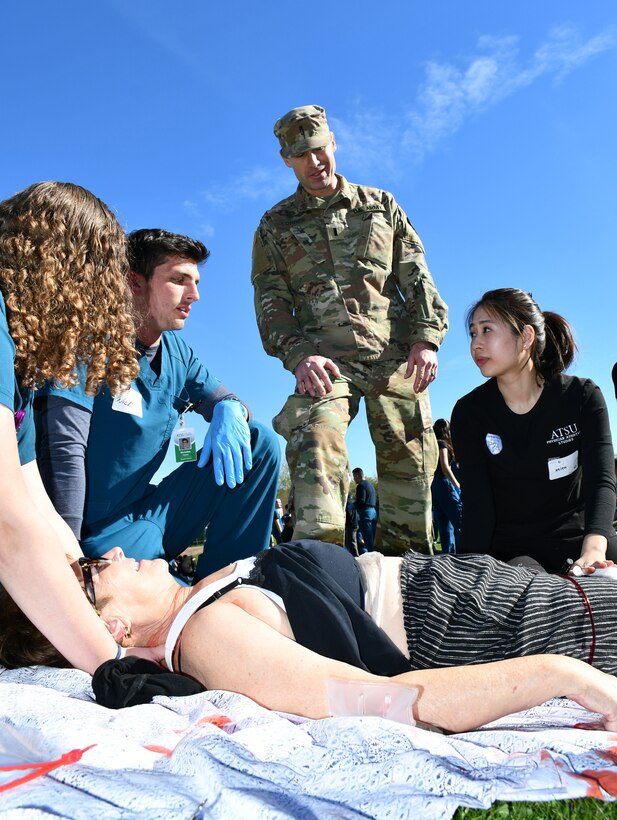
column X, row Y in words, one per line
column 219, row 755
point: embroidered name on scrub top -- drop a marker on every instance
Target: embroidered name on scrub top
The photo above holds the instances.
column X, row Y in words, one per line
column 130, row 401
column 560, row 467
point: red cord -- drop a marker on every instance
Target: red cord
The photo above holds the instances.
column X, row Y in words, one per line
column 39, row 769
column 583, row 595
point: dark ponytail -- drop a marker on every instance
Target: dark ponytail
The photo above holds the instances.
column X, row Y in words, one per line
column 559, row 348
column 441, row 428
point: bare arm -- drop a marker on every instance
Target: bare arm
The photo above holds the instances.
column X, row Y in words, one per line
column 462, row 698
column 227, row 648
column 33, row 567
column 45, row 510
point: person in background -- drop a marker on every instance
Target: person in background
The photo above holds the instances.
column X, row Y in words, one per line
column 351, row 527
column 98, row 455
column 344, row 297
column 534, row 445
column 63, row 301
column 446, row 491
column 288, row 529
column 277, row 522
column 366, row 507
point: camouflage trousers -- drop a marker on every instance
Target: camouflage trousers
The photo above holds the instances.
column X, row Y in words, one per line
column 406, row 449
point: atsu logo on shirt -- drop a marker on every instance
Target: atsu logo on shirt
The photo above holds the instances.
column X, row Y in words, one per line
column 564, row 435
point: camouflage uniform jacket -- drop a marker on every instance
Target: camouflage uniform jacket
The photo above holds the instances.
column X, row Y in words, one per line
column 344, row 278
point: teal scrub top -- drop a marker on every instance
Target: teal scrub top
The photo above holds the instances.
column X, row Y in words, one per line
column 16, row 398
column 125, row 449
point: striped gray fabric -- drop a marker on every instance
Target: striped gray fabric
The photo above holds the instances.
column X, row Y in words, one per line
column 469, row 609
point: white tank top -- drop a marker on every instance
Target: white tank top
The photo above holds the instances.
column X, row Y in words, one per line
column 241, row 570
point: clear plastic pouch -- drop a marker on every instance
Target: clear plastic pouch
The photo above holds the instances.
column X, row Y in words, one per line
column 393, row 701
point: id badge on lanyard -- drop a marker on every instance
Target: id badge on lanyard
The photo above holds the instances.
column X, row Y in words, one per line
column 184, row 441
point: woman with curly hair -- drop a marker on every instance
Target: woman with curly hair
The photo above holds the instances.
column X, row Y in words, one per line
column 63, row 302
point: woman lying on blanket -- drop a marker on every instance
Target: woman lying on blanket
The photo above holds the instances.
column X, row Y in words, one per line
column 278, row 626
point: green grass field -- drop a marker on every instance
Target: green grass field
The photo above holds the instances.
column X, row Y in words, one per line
column 555, row 810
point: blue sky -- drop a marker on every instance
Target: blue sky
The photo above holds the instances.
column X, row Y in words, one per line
column 493, row 124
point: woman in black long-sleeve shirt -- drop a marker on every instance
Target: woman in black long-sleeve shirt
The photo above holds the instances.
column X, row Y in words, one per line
column 534, row 445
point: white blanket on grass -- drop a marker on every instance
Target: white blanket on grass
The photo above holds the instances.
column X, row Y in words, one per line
column 219, row 755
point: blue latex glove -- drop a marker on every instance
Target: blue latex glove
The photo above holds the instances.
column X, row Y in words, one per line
column 228, row 441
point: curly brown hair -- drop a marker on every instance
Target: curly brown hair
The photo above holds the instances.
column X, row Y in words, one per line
column 63, row 277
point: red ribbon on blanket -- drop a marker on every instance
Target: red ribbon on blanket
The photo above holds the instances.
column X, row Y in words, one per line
column 39, row 769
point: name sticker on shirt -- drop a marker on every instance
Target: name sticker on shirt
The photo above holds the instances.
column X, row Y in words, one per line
column 560, row 467
column 130, row 402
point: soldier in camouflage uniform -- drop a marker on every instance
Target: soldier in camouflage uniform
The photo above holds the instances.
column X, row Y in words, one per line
column 344, row 298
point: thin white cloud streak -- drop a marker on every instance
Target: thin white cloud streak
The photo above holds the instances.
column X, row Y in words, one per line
column 372, row 141
column 268, row 184
column 452, row 94
column 367, row 141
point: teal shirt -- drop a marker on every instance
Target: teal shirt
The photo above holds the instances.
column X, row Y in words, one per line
column 17, row 399
column 126, row 449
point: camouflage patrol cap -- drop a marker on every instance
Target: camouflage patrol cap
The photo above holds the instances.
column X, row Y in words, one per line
column 302, row 129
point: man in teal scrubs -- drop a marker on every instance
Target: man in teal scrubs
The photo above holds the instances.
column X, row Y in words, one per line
column 97, row 455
